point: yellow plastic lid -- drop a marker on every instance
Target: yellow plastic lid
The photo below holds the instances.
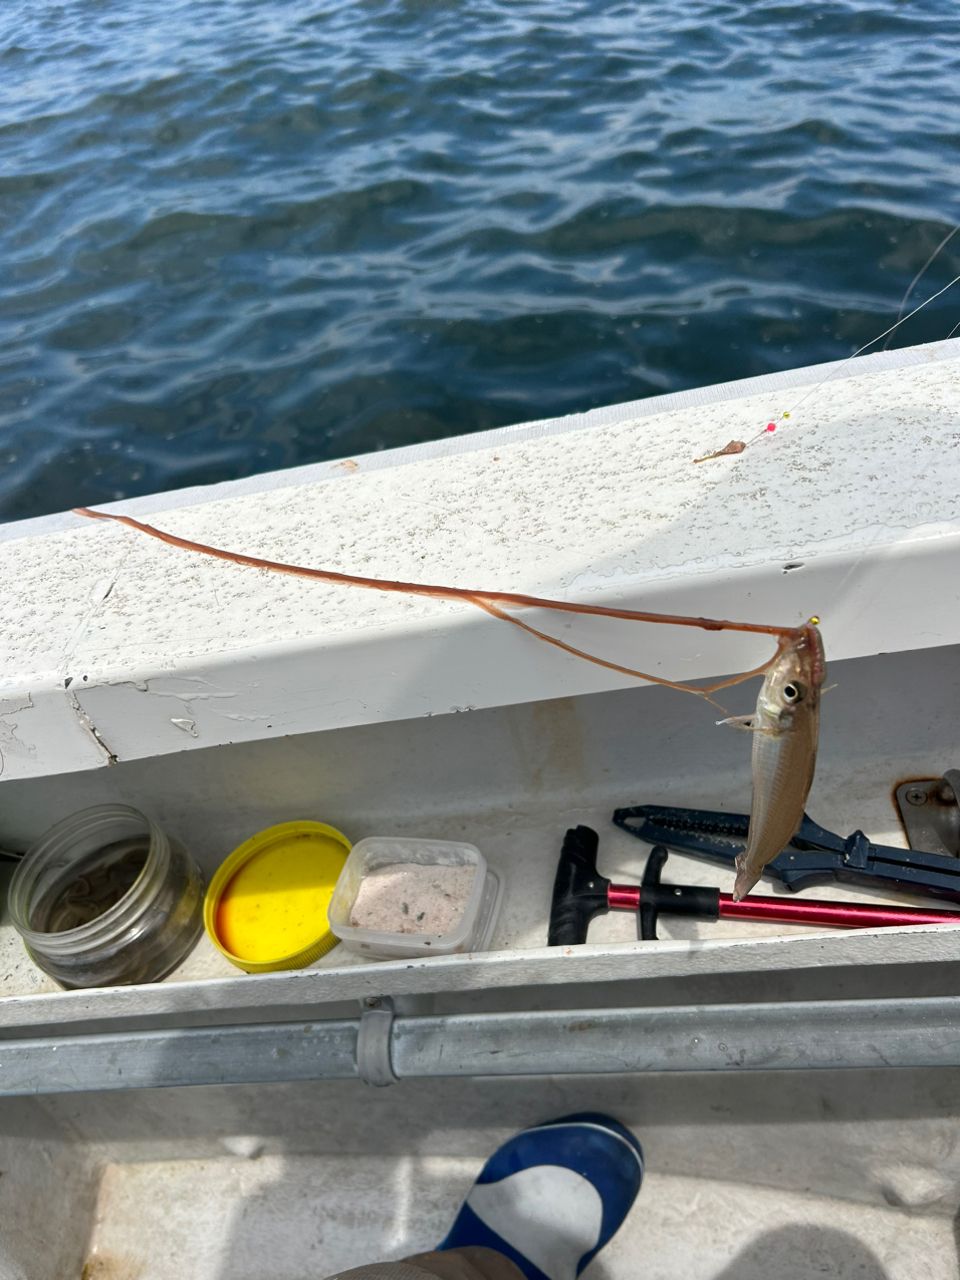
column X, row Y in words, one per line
column 266, row 907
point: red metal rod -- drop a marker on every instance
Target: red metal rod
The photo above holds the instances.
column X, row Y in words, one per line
column 838, row 915
column 623, row 897
column 810, row 911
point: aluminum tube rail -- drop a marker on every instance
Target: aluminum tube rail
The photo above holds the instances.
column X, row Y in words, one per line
column 750, row 1037
column 151, row 1059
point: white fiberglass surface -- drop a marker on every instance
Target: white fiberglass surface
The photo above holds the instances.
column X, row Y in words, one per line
column 305, row 1219
column 842, row 1174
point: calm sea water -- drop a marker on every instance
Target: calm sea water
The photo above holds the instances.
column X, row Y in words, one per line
column 237, row 235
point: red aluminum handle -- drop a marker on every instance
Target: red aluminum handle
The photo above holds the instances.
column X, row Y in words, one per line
column 809, row 911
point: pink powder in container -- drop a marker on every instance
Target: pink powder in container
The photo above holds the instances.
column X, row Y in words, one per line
column 411, row 897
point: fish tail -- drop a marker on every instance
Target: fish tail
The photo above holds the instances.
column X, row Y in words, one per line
column 745, row 880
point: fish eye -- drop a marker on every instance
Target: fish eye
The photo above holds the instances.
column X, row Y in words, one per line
column 792, row 692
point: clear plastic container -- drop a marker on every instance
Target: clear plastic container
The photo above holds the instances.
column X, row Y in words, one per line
column 105, row 898
column 473, row 930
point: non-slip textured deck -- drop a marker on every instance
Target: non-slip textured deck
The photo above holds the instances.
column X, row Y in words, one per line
column 302, row 1218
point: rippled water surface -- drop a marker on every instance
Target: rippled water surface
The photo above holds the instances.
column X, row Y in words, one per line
column 241, row 235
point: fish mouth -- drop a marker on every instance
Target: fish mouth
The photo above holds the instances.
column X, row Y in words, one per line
column 813, row 644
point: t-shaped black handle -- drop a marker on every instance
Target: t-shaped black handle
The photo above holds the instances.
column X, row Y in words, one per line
column 579, row 891
column 674, row 899
column 649, row 907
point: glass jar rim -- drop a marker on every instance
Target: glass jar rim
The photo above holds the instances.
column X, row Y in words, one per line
column 94, row 931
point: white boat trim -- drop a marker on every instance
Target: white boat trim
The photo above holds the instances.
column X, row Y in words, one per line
column 621, row 968
column 456, row 445
column 117, row 647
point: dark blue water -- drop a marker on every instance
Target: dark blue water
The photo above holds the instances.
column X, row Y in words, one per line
column 237, row 235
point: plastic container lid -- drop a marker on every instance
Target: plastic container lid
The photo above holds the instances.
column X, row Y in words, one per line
column 266, row 908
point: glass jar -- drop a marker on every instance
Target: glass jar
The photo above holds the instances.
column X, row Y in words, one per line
column 105, row 898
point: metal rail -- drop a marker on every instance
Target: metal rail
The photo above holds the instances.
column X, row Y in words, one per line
column 796, row 1036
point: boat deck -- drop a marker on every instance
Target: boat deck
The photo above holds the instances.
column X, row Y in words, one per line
column 211, row 1219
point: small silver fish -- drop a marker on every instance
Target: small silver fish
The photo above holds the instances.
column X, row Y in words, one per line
column 786, row 728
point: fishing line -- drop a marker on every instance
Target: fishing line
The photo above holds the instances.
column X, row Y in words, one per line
column 771, row 426
column 738, row 446
column 896, row 325
column 913, row 283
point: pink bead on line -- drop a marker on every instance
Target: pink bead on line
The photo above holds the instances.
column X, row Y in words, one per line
column 771, row 426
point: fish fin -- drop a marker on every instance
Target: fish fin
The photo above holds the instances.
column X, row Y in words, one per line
column 741, row 722
column 745, row 880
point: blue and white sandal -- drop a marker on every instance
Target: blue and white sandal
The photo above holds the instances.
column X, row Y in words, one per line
column 553, row 1196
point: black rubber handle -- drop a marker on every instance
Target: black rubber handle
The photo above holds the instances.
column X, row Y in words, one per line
column 672, row 899
column 647, row 915
column 579, row 891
